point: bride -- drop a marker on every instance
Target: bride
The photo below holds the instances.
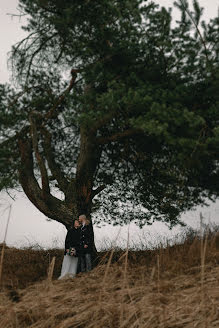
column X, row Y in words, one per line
column 70, row 260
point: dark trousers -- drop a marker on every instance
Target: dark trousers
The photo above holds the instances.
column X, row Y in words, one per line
column 85, row 262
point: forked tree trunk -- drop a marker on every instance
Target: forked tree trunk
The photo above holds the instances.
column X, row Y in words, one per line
column 78, row 192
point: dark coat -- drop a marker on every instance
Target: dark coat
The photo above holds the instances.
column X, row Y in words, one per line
column 73, row 239
column 86, row 238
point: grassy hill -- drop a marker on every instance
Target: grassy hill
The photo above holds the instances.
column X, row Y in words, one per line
column 176, row 286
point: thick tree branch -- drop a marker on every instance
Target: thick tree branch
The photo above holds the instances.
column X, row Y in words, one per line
column 118, row 136
column 26, row 174
column 40, row 160
column 52, row 112
column 97, row 191
column 87, row 163
column 53, row 166
column 52, row 207
column 104, row 120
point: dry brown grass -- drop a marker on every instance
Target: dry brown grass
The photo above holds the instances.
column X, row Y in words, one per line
column 171, row 287
column 23, row 267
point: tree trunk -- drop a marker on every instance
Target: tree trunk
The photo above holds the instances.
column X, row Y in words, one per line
column 49, row 205
column 78, row 192
column 87, row 165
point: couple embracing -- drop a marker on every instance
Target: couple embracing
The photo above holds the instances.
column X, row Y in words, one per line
column 78, row 248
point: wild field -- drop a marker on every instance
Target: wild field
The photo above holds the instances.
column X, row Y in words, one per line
column 173, row 286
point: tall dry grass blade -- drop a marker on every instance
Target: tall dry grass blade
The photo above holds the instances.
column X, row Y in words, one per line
column 123, row 319
column 51, row 269
column 152, row 273
column 204, row 240
column 124, row 282
column 104, row 284
column 3, row 244
column 203, row 256
column 108, row 265
column 110, row 258
column 126, row 256
column 107, row 268
column 158, row 273
column 1, row 263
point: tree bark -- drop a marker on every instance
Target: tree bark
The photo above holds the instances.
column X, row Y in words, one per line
column 78, row 192
column 49, row 205
column 87, row 165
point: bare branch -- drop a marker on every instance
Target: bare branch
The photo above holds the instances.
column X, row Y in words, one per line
column 97, row 191
column 118, row 136
column 51, row 113
column 37, row 51
column 197, row 29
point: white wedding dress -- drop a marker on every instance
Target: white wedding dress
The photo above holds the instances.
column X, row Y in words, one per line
column 69, row 267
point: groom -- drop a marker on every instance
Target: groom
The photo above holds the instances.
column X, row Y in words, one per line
column 86, row 242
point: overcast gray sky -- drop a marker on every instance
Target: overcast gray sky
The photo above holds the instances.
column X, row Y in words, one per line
column 27, row 225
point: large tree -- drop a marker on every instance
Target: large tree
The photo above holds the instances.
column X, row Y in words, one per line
column 114, row 110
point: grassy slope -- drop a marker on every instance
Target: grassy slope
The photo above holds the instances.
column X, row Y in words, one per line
column 172, row 287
